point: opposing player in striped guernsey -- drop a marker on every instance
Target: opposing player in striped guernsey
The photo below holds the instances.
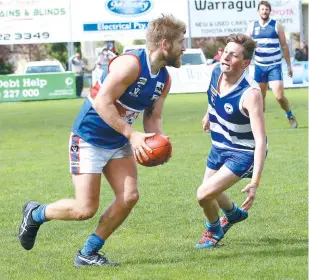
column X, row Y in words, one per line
column 236, row 121
column 103, row 140
column 270, row 38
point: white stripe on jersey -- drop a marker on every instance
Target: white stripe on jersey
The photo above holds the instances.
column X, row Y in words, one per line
column 240, row 128
column 221, row 145
column 218, row 129
column 267, row 40
column 266, row 50
column 268, row 58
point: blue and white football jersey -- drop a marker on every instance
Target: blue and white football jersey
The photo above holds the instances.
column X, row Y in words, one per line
column 268, row 49
column 230, row 126
column 140, row 95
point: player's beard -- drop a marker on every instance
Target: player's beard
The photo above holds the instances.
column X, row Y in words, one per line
column 173, row 60
column 265, row 17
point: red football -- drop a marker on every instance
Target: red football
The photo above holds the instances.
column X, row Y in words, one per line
column 161, row 151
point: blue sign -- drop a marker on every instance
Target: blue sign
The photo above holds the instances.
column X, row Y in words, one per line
column 116, row 26
column 128, row 7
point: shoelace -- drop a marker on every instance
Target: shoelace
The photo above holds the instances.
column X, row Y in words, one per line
column 100, row 258
column 24, row 223
column 207, row 236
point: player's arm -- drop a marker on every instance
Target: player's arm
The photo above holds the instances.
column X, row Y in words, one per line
column 285, row 48
column 152, row 119
column 253, row 104
column 116, row 82
column 205, row 122
column 250, row 29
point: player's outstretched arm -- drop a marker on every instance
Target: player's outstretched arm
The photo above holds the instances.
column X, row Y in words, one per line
column 253, row 104
column 152, row 119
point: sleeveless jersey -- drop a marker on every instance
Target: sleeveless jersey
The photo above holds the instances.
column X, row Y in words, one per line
column 138, row 96
column 268, row 49
column 230, row 126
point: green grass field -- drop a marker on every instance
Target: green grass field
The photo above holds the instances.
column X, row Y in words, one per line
column 157, row 240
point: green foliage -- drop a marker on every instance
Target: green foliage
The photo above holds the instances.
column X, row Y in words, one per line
column 139, row 42
column 119, row 47
column 157, row 240
column 6, row 67
column 57, row 51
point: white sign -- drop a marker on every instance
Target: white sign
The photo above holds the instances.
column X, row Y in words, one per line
column 120, row 19
column 191, row 78
column 34, row 21
column 288, row 13
column 211, row 18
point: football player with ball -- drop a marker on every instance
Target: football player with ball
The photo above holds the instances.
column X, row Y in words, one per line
column 103, row 140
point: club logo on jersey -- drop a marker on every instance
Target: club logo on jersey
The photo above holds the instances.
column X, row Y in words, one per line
column 228, row 108
column 142, row 81
column 159, row 88
column 135, row 92
column 154, row 97
column 257, row 30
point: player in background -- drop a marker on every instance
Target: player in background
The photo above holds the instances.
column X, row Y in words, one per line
column 236, row 121
column 103, row 140
column 270, row 38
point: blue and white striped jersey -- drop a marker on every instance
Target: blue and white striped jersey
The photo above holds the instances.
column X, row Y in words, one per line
column 268, row 49
column 140, row 95
column 230, row 126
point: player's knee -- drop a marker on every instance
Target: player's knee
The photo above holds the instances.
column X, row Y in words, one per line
column 85, row 212
column 280, row 98
column 129, row 200
column 203, row 194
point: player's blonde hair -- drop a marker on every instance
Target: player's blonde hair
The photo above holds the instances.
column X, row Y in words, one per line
column 165, row 27
column 244, row 40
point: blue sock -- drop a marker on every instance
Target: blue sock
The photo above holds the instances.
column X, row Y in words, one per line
column 93, row 244
column 214, row 227
column 38, row 215
column 233, row 214
column 289, row 114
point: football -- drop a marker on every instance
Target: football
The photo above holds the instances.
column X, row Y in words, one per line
column 161, row 151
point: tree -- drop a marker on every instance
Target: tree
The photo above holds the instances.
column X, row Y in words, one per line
column 5, row 66
column 139, row 42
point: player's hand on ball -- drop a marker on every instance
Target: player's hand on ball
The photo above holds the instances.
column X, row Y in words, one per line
column 251, row 190
column 161, row 151
column 206, row 123
column 137, row 140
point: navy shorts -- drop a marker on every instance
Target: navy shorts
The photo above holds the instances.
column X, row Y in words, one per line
column 239, row 162
column 264, row 74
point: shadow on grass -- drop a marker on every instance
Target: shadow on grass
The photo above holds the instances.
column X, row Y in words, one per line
column 259, row 248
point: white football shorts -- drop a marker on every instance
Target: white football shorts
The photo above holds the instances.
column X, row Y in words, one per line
column 86, row 158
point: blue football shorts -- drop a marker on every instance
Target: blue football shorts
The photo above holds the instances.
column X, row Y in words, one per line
column 239, row 162
column 264, row 74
